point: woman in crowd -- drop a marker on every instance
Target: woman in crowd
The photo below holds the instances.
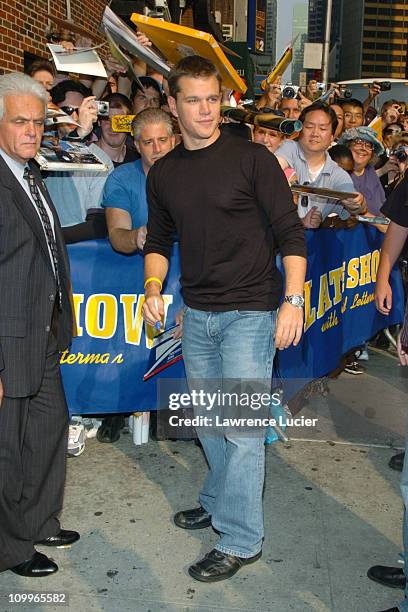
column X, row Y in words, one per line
column 272, row 139
column 43, row 72
column 364, row 145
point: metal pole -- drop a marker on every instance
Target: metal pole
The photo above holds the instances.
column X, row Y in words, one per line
column 326, row 46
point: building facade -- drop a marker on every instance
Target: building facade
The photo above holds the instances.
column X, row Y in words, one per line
column 299, row 30
column 376, row 34
column 271, row 27
column 23, row 27
column 316, row 31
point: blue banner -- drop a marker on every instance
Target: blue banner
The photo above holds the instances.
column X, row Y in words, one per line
column 103, row 372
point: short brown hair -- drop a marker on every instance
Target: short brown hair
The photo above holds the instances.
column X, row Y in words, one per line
column 40, row 64
column 191, row 66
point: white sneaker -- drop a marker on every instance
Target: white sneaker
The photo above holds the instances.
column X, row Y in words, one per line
column 91, row 427
column 76, row 437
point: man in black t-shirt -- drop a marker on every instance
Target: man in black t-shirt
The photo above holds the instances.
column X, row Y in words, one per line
column 229, row 203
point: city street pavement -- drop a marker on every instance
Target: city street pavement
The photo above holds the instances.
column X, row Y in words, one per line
column 332, row 509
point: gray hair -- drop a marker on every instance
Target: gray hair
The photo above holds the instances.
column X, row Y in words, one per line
column 151, row 116
column 18, row 83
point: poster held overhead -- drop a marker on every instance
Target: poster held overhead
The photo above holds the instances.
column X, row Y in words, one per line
column 175, row 42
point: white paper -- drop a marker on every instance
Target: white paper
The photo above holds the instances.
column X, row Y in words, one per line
column 81, row 62
column 313, row 55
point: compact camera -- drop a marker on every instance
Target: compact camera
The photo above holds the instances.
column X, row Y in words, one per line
column 345, row 92
column 290, row 91
column 400, row 154
column 102, row 107
column 384, row 85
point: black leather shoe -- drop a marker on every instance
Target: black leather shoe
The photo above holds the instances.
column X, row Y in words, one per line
column 217, row 566
column 110, row 429
column 397, row 462
column 196, row 518
column 63, row 538
column 393, row 577
column 38, row 566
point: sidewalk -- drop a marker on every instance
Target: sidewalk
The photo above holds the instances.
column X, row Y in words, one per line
column 332, row 509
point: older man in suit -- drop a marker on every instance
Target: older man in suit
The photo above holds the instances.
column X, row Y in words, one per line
column 35, row 324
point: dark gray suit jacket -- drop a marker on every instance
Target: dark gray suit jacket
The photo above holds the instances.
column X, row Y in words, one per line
column 28, row 287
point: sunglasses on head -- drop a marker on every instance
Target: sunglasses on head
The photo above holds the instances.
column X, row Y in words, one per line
column 68, row 110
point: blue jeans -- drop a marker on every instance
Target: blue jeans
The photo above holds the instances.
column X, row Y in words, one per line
column 403, row 605
column 220, row 346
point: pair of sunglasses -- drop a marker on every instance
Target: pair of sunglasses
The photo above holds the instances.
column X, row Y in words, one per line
column 68, row 110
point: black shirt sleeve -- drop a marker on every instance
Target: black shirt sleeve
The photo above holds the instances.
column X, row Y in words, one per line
column 161, row 230
column 396, row 205
column 93, row 227
column 274, row 195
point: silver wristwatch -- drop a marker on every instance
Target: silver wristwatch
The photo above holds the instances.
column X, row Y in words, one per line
column 295, row 300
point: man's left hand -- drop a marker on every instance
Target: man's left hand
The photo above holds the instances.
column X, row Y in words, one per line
column 289, row 326
column 179, row 322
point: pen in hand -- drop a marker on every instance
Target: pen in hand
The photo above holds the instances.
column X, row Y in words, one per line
column 157, row 325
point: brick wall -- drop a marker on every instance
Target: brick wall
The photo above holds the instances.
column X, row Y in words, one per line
column 23, row 24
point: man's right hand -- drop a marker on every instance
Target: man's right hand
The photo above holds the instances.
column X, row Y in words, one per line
column 141, row 233
column 142, row 39
column 68, row 45
column 383, row 297
column 1, row 393
column 113, row 66
column 304, row 102
column 87, row 116
column 153, row 306
column 356, row 205
column 373, row 91
column 313, row 219
column 390, row 166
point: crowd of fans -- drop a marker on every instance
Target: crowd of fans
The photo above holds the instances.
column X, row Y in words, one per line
column 335, row 149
